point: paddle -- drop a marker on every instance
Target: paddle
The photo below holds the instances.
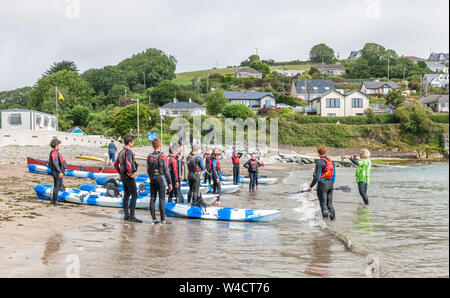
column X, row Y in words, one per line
column 345, row 189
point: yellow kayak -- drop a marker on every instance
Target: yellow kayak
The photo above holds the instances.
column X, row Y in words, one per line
column 90, row 158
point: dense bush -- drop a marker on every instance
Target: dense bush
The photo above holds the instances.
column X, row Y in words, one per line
column 439, row 118
column 235, row 111
column 354, row 120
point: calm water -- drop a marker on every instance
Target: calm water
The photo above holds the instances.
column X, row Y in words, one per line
column 406, row 226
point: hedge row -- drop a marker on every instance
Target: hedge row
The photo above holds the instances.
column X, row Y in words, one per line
column 353, row 120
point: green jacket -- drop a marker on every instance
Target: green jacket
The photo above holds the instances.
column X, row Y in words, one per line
column 363, row 171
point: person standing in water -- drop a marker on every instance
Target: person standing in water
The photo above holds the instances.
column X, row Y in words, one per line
column 127, row 166
column 362, row 173
column 236, row 166
column 160, row 180
column 57, row 164
column 195, row 168
column 215, row 173
column 324, row 176
column 253, row 166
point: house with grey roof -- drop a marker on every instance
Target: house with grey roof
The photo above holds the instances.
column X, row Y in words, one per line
column 374, row 87
column 337, row 104
column 248, row 72
column 306, row 89
column 443, row 57
column 330, row 69
column 289, row 72
column 252, row 99
column 355, row 55
column 181, row 109
column 436, row 80
column 437, row 66
column 438, row 103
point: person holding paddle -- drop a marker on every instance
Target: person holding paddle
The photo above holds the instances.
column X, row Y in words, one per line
column 324, row 176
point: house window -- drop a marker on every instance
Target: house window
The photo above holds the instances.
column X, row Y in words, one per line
column 53, row 123
column 444, row 104
column 333, row 103
column 38, row 120
column 46, row 121
column 357, row 102
column 16, row 119
column 331, row 114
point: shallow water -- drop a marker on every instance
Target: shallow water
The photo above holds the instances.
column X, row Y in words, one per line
column 406, row 225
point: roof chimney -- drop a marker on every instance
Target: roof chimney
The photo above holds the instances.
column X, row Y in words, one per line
column 190, row 100
column 174, row 100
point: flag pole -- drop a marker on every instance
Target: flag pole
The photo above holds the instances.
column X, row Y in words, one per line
column 56, row 104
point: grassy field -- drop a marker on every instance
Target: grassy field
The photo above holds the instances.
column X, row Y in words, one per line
column 185, row 78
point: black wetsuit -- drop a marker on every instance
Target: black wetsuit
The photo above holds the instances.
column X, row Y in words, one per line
column 126, row 166
column 159, row 180
column 324, row 189
column 252, row 166
column 195, row 167
column 362, row 186
column 236, row 169
column 215, row 169
column 57, row 164
column 173, row 170
column 208, row 173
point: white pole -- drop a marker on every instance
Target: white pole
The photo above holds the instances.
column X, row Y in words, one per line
column 138, row 131
column 161, row 130
column 56, row 104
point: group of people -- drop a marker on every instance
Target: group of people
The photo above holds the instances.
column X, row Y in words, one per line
column 165, row 174
column 325, row 176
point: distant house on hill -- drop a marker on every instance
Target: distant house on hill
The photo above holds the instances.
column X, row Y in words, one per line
column 306, row 89
column 248, row 72
column 439, row 103
column 252, row 99
column 330, row 69
column 76, row 130
column 289, row 73
column 442, row 57
column 337, row 104
column 436, row 80
column 414, row 59
column 355, row 55
column 437, row 66
column 180, row 109
column 374, row 87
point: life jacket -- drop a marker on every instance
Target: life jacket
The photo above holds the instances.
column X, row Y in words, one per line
column 155, row 164
column 172, row 168
column 253, row 165
column 236, row 161
column 192, row 163
column 218, row 165
column 328, row 172
column 123, row 162
column 62, row 161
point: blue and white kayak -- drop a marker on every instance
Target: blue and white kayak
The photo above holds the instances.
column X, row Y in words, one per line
column 223, row 214
column 99, row 197
column 37, row 169
column 242, row 179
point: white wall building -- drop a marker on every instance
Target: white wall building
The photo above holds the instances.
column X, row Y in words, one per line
column 180, row 109
column 252, row 99
column 28, row 120
column 336, row 104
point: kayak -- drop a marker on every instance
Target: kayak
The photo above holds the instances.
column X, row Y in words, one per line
column 91, row 195
column 36, row 169
column 90, row 158
column 108, row 170
column 242, row 179
column 222, row 214
column 146, row 186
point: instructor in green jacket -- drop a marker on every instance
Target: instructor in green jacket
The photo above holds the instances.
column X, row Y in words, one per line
column 362, row 173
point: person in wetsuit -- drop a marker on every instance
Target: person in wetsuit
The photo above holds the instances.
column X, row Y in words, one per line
column 208, row 172
column 173, row 170
column 253, row 166
column 195, row 168
column 127, row 166
column 324, row 176
column 236, row 166
column 216, row 171
column 362, row 173
column 112, row 149
column 180, row 170
column 158, row 172
column 57, row 164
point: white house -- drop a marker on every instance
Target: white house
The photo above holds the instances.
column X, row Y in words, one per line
column 180, row 109
column 252, row 99
column 289, row 72
column 330, row 69
column 373, row 87
column 28, row 119
column 337, row 104
column 443, row 57
column 436, row 80
column 439, row 103
column 437, row 66
column 248, row 72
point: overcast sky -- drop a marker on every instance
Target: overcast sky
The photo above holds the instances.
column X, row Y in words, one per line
column 201, row 33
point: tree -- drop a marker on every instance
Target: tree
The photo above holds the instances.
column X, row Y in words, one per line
column 321, row 51
column 63, row 65
column 75, row 90
column 125, row 119
column 261, row 67
column 17, row 97
column 156, row 65
column 116, row 93
column 250, row 60
column 215, row 103
column 164, row 93
column 314, row 71
column 79, row 114
column 359, row 69
column 395, row 98
column 102, row 80
column 235, row 111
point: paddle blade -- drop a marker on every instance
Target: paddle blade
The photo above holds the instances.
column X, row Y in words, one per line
column 346, row 189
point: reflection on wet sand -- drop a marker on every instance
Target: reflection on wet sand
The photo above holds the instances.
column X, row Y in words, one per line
column 320, row 256
column 52, row 247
